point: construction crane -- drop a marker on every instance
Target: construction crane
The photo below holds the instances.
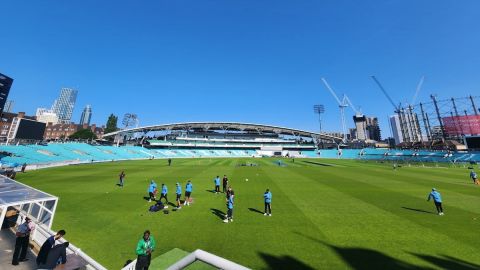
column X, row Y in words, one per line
column 342, row 104
column 419, row 87
column 398, row 110
column 357, row 112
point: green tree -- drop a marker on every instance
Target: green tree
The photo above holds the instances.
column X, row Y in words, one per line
column 111, row 124
column 83, row 134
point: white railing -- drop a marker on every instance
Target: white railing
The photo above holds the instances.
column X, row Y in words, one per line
column 199, row 255
column 40, row 234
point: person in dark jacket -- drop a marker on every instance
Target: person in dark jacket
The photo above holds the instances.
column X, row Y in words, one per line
column 56, row 254
column 47, row 246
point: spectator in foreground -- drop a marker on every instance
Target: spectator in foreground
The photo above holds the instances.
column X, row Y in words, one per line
column 144, row 250
column 47, row 246
column 57, row 255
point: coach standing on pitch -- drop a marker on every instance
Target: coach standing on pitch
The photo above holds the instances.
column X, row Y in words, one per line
column 268, row 200
column 437, row 199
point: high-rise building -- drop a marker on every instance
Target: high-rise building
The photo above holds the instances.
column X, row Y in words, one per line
column 373, row 129
column 64, row 104
column 9, row 106
column 396, row 129
column 45, row 115
column 86, row 115
column 5, row 84
column 360, row 127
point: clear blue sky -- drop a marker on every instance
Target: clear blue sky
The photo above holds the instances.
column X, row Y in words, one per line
column 249, row 61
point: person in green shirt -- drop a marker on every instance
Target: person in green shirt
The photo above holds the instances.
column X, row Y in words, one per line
column 144, row 250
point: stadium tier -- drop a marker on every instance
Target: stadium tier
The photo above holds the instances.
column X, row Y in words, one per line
column 15, row 155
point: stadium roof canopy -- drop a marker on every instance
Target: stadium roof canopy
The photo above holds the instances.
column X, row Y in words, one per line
column 33, row 203
column 225, row 126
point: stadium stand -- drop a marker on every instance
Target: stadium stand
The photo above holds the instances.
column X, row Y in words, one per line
column 16, row 155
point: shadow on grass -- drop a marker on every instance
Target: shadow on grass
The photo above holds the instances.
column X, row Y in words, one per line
column 448, row 262
column 317, row 163
column 418, row 210
column 364, row 258
column 255, row 210
column 218, row 213
column 146, row 198
column 211, row 191
column 283, row 262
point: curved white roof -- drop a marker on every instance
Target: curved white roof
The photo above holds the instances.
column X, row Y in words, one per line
column 225, row 126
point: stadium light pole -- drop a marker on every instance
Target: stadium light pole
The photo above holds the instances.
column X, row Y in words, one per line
column 319, row 109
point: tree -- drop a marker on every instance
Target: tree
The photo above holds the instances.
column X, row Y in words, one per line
column 83, row 134
column 111, row 124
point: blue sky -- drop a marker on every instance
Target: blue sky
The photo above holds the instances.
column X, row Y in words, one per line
column 248, row 61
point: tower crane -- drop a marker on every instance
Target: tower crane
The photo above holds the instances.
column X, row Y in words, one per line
column 398, row 110
column 342, row 104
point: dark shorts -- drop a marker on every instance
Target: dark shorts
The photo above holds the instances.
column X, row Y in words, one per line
column 187, row 193
column 178, row 197
column 438, row 203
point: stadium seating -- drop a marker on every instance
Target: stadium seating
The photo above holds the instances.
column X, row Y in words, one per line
column 15, row 155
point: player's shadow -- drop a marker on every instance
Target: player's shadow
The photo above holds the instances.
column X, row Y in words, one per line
column 284, row 262
column 211, row 191
column 146, row 198
column 448, row 262
column 360, row 258
column 418, row 210
column 255, row 210
column 317, row 163
column 118, row 185
column 218, row 213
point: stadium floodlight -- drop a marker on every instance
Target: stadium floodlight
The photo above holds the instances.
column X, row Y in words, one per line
column 319, row 109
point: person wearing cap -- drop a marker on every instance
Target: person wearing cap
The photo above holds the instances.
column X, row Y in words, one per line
column 267, row 196
column 178, row 191
column 151, row 190
column 145, row 247
column 22, row 241
column 437, row 199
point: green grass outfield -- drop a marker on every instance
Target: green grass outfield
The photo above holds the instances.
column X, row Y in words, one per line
column 327, row 214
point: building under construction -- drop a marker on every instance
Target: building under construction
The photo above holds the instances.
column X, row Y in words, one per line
column 448, row 123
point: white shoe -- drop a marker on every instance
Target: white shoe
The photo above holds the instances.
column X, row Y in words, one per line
column 166, row 206
column 265, row 214
column 149, row 200
column 231, row 220
column 179, row 207
column 225, row 221
column 441, row 214
column 269, row 215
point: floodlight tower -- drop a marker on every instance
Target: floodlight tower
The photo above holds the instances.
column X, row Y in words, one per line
column 341, row 105
column 319, row 109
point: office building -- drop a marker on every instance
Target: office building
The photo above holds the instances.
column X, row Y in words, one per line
column 86, row 116
column 5, row 85
column 64, row 104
